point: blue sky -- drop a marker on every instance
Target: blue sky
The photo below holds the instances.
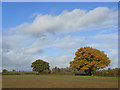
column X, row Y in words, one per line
column 54, row 31
column 19, row 12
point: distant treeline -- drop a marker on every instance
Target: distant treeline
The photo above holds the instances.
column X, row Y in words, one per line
column 66, row 71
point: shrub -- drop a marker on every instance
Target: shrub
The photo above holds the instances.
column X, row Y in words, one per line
column 109, row 72
column 47, row 71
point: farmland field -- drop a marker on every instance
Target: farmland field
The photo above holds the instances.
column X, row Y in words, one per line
column 57, row 81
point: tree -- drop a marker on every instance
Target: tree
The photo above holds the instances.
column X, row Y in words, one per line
column 53, row 70
column 40, row 65
column 56, row 68
column 13, row 70
column 89, row 60
column 5, row 71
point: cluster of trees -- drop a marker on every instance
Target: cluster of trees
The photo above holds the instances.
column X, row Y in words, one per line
column 57, row 70
column 86, row 59
column 115, row 72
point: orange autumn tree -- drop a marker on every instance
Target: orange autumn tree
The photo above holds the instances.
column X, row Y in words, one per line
column 89, row 60
column 53, row 70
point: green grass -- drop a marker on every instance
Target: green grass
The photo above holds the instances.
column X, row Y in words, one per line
column 99, row 76
column 49, row 75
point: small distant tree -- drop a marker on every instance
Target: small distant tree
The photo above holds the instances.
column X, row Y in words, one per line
column 89, row 60
column 5, row 71
column 53, row 70
column 13, row 70
column 58, row 69
column 64, row 70
column 40, row 65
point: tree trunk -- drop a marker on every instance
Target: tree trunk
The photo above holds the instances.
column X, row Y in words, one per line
column 89, row 73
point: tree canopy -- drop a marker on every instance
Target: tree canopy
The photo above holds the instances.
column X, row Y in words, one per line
column 89, row 60
column 40, row 65
column 4, row 70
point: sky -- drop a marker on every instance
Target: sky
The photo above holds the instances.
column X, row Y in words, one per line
column 53, row 31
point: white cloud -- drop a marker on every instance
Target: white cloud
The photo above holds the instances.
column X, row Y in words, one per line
column 16, row 41
column 113, row 55
column 36, row 47
column 33, row 50
column 107, row 36
column 18, row 61
column 65, row 43
column 68, row 42
column 105, row 41
column 104, row 45
column 60, row 61
column 73, row 21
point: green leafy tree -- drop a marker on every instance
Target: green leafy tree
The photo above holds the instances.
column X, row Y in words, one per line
column 89, row 60
column 56, row 68
column 40, row 65
column 5, row 71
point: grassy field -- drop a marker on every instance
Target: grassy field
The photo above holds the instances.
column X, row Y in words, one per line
column 58, row 81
